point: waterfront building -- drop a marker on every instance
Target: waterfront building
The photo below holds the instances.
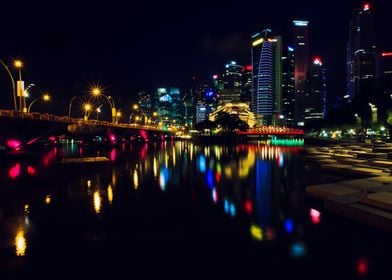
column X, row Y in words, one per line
column 361, row 52
column 266, row 101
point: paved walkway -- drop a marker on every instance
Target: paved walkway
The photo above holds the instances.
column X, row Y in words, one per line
column 367, row 200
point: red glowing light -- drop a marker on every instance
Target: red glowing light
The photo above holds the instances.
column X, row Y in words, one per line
column 217, row 177
column 362, row 267
column 317, row 61
column 14, row 144
column 112, row 137
column 315, row 216
column 143, row 134
column 31, row 170
column 248, row 68
column 386, row 54
column 215, row 77
column 14, row 171
column 248, row 206
column 113, row 155
column 366, row 7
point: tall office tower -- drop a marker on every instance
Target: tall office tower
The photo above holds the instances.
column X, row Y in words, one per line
column 145, row 103
column 288, row 87
column 176, row 106
column 164, row 107
column 384, row 73
column 188, row 110
column 232, row 83
column 266, row 54
column 361, row 52
column 315, row 92
column 301, row 61
column 246, row 92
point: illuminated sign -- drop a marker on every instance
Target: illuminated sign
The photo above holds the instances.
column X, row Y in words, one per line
column 257, row 42
column 257, row 34
column 248, row 68
column 291, row 49
column 300, row 22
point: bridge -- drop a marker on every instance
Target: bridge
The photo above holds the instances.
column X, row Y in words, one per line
column 20, row 129
column 272, row 130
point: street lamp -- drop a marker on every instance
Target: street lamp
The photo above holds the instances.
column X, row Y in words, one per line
column 87, row 108
column 70, row 105
column 13, row 83
column 45, row 97
column 96, row 91
column 118, row 116
column 20, row 86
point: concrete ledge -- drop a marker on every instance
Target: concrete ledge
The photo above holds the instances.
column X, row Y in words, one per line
column 382, row 200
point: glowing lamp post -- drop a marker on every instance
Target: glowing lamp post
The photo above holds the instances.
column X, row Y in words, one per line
column 20, row 87
column 45, row 97
column 96, row 91
column 87, row 109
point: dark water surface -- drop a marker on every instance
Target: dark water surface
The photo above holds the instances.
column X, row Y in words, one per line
column 178, row 210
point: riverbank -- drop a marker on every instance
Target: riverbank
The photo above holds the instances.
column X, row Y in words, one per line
column 368, row 199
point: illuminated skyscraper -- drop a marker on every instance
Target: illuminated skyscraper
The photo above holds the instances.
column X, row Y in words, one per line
column 266, row 101
column 232, row 83
column 361, row 52
column 301, row 58
column 315, row 92
column 288, row 91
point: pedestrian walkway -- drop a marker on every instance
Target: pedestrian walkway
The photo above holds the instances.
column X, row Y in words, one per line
column 367, row 200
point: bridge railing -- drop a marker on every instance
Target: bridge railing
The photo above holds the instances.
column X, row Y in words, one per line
column 66, row 119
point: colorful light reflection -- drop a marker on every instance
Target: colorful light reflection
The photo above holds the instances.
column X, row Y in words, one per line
column 315, row 216
column 14, row 171
column 20, row 243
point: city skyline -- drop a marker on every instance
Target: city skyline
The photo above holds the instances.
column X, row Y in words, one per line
column 69, row 47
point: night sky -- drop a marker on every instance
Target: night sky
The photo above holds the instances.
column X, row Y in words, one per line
column 130, row 46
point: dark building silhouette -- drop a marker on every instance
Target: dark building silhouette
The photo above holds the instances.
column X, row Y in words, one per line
column 301, row 58
column 288, row 87
column 361, row 53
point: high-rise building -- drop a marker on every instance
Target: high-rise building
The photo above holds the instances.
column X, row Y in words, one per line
column 176, row 106
column 246, row 93
column 361, row 52
column 315, row 92
column 266, row 54
column 288, row 87
column 232, row 83
column 384, row 72
column 301, row 62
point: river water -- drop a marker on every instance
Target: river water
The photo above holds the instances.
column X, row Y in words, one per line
column 177, row 209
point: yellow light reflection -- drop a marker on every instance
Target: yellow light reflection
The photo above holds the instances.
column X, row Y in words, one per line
column 110, row 194
column 155, row 167
column 26, row 208
column 97, row 202
column 135, row 179
column 174, row 155
column 88, row 183
column 228, row 172
column 20, row 243
column 256, row 232
column 166, row 160
column 48, row 199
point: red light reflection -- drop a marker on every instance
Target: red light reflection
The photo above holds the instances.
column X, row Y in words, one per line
column 14, row 171
column 315, row 216
column 362, row 267
column 31, row 170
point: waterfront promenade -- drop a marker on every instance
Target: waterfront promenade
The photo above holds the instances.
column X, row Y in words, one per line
column 367, row 199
